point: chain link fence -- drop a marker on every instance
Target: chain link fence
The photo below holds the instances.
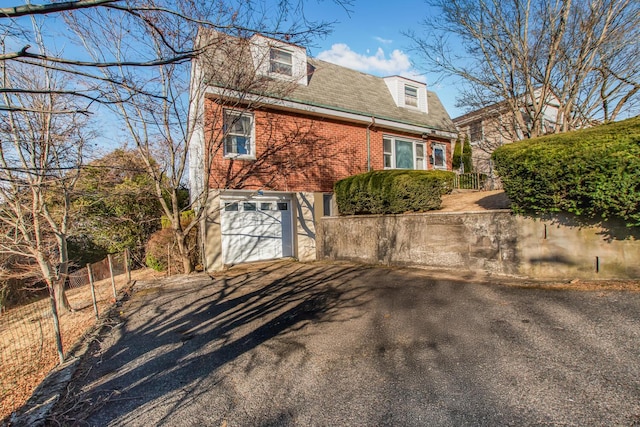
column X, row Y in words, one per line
column 28, row 349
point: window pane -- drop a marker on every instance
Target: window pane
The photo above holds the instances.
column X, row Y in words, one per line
column 249, row 206
column 229, row 145
column 387, row 146
column 438, row 156
column 265, row 206
column 326, row 204
column 231, row 207
column 387, row 161
column 280, row 62
column 404, row 155
column 279, row 68
column 237, row 145
column 283, row 206
column 420, row 163
column 411, row 96
column 241, row 125
column 280, row 56
column 242, row 145
column 475, row 130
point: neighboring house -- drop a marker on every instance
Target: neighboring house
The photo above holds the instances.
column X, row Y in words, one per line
column 281, row 128
column 494, row 125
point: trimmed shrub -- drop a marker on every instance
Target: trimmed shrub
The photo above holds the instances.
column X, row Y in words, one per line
column 392, row 191
column 592, row 173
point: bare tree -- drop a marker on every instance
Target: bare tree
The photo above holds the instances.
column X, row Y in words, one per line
column 41, row 153
column 42, row 141
column 577, row 54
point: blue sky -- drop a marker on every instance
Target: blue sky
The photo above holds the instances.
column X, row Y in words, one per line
column 370, row 39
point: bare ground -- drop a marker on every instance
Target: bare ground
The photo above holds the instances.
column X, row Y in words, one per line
column 471, row 200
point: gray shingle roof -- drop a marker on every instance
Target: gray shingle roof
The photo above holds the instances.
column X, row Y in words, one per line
column 329, row 85
column 336, row 87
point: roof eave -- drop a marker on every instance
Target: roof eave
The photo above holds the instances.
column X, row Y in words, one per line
column 319, row 110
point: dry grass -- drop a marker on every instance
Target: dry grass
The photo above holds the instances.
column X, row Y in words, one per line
column 27, row 342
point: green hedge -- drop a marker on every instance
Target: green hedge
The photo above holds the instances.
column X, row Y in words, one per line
column 392, row 191
column 592, row 173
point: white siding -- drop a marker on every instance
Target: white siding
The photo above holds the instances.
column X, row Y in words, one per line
column 260, row 46
column 396, row 85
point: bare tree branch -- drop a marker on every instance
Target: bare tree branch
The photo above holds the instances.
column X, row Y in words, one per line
column 42, row 9
column 178, row 58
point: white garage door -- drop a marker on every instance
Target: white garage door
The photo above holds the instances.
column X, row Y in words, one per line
column 256, row 229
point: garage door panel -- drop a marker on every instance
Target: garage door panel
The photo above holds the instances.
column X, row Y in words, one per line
column 245, row 248
column 256, row 230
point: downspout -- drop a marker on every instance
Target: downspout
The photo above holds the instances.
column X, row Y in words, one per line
column 373, row 123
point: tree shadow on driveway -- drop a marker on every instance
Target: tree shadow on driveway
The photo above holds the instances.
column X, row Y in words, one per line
column 340, row 344
column 178, row 331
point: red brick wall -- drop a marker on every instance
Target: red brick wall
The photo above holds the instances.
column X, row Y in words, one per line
column 295, row 152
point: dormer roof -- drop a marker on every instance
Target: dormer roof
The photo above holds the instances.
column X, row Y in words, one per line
column 329, row 86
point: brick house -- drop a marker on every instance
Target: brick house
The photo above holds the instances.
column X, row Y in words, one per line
column 494, row 125
column 274, row 130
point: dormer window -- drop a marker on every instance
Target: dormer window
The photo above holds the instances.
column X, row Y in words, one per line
column 280, row 62
column 410, row 96
column 407, row 93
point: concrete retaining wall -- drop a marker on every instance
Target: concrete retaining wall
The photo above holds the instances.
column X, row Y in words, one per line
column 493, row 241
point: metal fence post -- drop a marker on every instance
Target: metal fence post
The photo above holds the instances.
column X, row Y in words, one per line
column 113, row 280
column 93, row 291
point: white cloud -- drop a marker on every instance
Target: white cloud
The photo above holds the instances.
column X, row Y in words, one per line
column 397, row 63
column 383, row 41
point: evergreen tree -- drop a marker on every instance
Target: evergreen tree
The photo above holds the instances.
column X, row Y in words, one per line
column 457, row 154
column 466, row 156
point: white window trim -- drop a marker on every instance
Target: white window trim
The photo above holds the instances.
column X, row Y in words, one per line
column 415, row 142
column 433, row 156
column 252, row 138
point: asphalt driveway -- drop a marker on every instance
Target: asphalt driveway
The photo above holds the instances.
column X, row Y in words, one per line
column 338, row 344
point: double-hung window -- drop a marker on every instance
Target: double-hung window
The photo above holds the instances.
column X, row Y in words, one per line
column 280, row 62
column 401, row 153
column 439, row 157
column 475, row 131
column 410, row 96
column 238, row 131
